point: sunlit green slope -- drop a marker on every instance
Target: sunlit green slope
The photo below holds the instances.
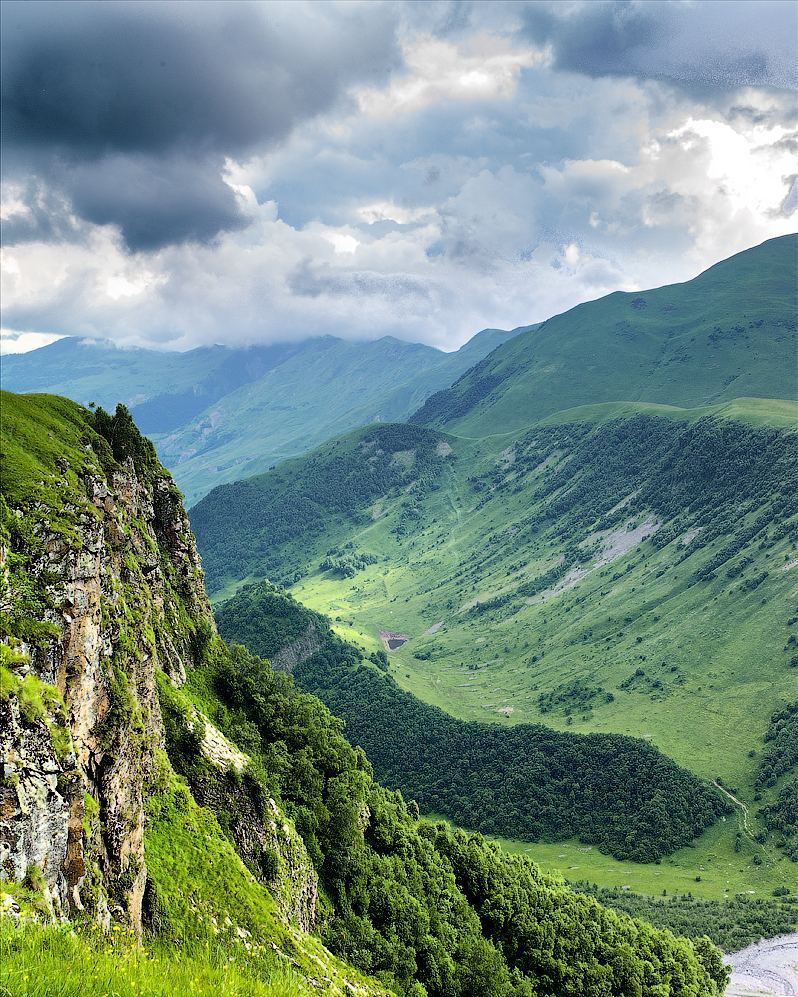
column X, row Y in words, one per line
column 729, row 333
column 636, row 575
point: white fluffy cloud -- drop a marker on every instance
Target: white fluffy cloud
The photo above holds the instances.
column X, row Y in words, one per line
column 476, row 185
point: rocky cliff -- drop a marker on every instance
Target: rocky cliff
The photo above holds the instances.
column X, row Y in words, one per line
column 102, row 598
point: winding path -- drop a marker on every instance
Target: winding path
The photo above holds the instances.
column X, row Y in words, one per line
column 739, row 803
column 767, row 968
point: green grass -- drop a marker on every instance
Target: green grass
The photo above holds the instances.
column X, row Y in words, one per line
column 204, row 897
column 728, row 646
column 36, row 431
column 776, row 412
column 39, row 960
column 728, row 333
column 722, row 872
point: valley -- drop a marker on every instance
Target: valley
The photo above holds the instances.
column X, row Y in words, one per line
column 625, row 647
column 618, row 567
column 399, row 499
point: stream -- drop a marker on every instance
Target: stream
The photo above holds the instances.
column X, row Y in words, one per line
column 769, row 967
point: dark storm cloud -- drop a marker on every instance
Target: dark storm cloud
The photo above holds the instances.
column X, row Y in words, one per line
column 156, row 201
column 701, row 47
column 130, row 108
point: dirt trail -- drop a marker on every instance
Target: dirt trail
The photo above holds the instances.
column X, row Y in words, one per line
column 743, row 807
column 768, row 968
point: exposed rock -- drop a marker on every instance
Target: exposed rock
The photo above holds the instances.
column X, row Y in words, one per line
column 36, row 795
column 266, row 840
column 217, row 749
column 125, row 593
column 299, row 650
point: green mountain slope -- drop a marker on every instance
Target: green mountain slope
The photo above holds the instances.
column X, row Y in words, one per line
column 326, row 388
column 218, row 414
column 526, row 781
column 632, row 575
column 729, row 333
column 452, row 767
column 214, row 812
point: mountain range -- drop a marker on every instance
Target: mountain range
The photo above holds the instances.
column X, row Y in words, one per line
column 218, row 414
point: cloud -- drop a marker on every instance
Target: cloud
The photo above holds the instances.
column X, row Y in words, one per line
column 456, row 173
column 485, row 68
column 23, row 342
column 131, row 109
column 701, row 46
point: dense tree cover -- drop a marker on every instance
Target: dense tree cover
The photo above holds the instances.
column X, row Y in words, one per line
column 781, row 817
column 689, row 474
column 240, row 527
column 426, row 910
column 265, row 619
column 346, row 562
column 732, row 924
column 780, row 758
column 781, row 746
column 466, row 392
column 124, row 439
column 526, row 781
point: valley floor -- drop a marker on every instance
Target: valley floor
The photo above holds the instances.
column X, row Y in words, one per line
column 710, row 869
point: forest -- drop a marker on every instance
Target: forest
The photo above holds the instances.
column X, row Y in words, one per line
column 733, row 923
column 780, row 759
column 526, row 782
column 424, row 909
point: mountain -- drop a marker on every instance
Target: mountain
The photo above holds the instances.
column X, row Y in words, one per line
column 729, row 333
column 218, row 414
column 202, row 823
column 618, row 569
column 457, row 768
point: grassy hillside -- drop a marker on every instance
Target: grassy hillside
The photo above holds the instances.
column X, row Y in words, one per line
column 526, row 780
column 631, row 575
column 219, row 414
column 729, row 333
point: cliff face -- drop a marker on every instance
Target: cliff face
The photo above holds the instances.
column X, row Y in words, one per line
column 101, row 557
column 122, row 588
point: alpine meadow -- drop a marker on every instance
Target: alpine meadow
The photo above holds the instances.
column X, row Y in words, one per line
column 346, row 650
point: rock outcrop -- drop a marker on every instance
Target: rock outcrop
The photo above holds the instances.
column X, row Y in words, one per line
column 120, row 581
column 102, row 558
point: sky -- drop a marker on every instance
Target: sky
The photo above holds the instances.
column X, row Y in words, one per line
column 182, row 174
